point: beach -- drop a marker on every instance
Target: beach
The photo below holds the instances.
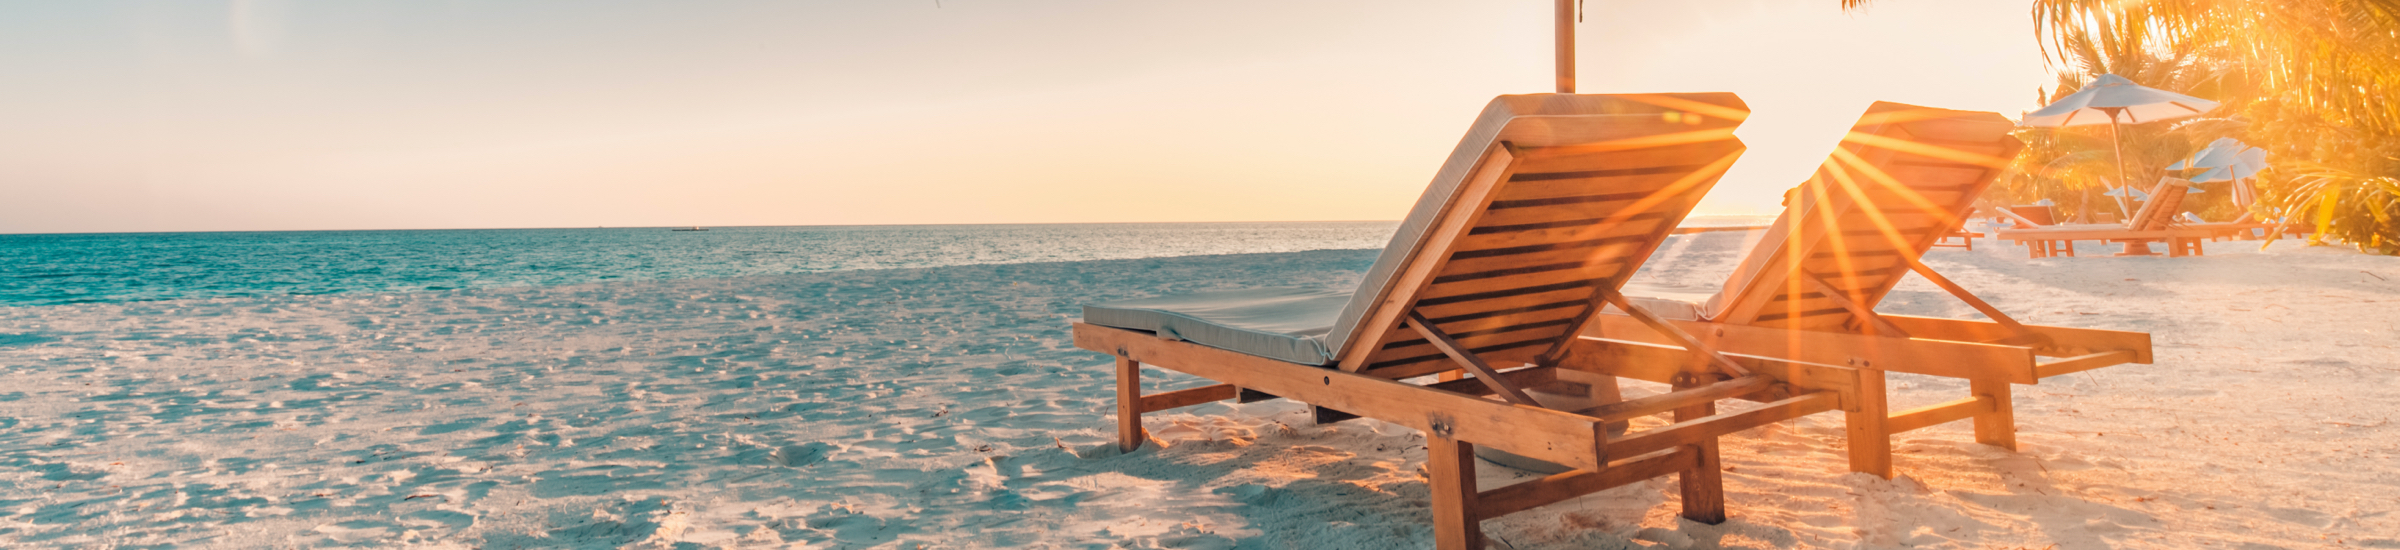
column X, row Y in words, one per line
column 945, row 407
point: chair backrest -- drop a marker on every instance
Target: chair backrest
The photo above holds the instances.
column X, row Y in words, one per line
column 1549, row 198
column 2165, row 200
column 2033, row 215
column 1903, row 177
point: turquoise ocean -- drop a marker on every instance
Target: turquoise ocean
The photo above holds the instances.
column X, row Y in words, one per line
column 53, row 269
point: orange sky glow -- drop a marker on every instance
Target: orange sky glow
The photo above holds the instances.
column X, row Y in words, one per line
column 282, row 115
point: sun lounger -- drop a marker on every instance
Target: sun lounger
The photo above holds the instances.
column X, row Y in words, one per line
column 2036, row 216
column 2244, row 228
column 1807, row 291
column 2154, row 223
column 1966, row 239
column 1549, row 203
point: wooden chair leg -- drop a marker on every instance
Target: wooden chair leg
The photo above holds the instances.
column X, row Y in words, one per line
column 1870, row 436
column 1997, row 428
column 1129, row 404
column 1450, row 464
column 1605, row 390
column 1704, row 484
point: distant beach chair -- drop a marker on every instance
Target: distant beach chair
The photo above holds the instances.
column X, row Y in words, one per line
column 1807, row 291
column 2244, row 228
column 1546, row 207
column 2154, row 223
column 2027, row 216
column 1966, row 239
column 2034, row 216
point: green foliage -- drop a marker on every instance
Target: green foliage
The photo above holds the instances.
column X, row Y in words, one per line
column 2073, row 166
column 2331, row 58
column 2304, row 79
column 2363, row 210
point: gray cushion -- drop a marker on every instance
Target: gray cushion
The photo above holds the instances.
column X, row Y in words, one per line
column 1287, row 324
column 1680, row 303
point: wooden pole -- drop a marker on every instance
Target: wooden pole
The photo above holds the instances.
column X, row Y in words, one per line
column 2122, row 183
column 1566, row 46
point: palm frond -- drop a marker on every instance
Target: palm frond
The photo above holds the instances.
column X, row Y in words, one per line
column 2302, row 78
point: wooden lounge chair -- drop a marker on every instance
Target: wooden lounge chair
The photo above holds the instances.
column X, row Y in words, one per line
column 1807, row 291
column 1549, row 203
column 2244, row 228
column 2154, row 223
column 2035, row 216
column 1966, row 239
column 2158, row 215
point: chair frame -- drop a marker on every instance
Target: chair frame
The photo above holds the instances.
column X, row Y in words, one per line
column 1843, row 328
column 1469, row 389
column 1455, row 416
column 1990, row 355
column 2153, row 224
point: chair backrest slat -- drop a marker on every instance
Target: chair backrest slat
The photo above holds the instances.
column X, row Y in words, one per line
column 1565, row 194
column 1904, row 177
column 2165, row 200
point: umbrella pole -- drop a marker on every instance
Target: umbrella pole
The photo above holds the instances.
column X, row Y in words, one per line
column 2119, row 139
column 1565, row 29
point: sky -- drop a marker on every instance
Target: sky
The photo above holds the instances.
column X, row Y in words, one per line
column 177, row 115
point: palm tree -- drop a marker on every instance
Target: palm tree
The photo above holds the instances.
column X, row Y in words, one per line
column 2306, row 76
column 2329, row 58
column 2069, row 165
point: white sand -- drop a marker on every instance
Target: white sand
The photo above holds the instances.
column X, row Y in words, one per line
column 943, row 407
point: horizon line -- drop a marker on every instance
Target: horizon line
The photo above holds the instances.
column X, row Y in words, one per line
column 725, row 226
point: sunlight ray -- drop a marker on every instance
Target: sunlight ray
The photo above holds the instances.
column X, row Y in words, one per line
column 1911, row 115
column 1883, row 225
column 1681, row 104
column 1925, row 149
column 1666, row 193
column 1843, row 263
column 1659, row 140
column 1910, row 194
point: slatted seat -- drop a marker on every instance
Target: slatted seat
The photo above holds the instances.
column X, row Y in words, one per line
column 1903, row 178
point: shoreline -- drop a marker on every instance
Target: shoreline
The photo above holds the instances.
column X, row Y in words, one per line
column 941, row 406
column 171, row 266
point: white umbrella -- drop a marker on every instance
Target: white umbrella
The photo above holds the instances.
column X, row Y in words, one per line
column 2113, row 100
column 2127, row 192
column 2227, row 159
column 2244, row 166
column 2219, row 153
column 2250, row 162
column 2221, row 173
